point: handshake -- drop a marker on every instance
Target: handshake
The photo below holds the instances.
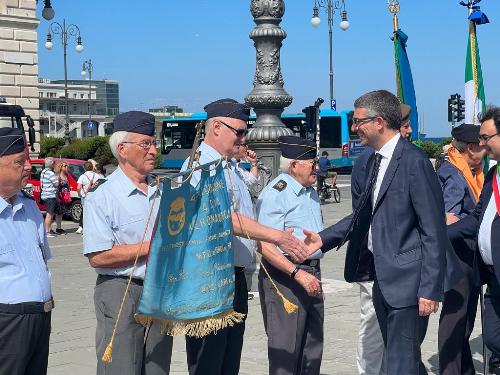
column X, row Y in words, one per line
column 299, row 250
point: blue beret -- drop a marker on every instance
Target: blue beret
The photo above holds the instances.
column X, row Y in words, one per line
column 11, row 141
column 297, row 148
column 467, row 133
column 135, row 122
column 227, row 108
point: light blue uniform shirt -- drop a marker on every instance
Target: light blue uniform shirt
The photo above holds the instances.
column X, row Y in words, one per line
column 24, row 250
column 116, row 214
column 291, row 206
column 239, row 198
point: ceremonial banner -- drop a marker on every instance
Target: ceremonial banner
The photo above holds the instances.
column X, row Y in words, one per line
column 404, row 80
column 474, row 88
column 189, row 283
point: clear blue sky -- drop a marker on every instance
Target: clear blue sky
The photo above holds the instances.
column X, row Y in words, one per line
column 189, row 53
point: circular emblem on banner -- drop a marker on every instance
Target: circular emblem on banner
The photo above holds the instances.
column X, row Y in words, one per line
column 176, row 216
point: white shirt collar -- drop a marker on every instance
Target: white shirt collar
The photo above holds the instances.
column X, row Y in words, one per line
column 388, row 148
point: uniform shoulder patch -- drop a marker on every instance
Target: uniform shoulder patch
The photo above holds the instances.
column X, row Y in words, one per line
column 280, row 185
column 96, row 184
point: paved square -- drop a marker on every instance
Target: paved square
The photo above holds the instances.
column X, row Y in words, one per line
column 73, row 321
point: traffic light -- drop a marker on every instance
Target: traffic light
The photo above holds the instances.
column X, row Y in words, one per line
column 311, row 118
column 456, row 108
column 460, row 109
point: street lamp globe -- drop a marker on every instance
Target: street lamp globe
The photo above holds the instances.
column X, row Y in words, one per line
column 344, row 24
column 48, row 43
column 315, row 20
column 79, row 45
column 48, row 13
column 83, row 73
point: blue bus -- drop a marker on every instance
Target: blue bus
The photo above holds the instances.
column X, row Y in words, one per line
column 343, row 146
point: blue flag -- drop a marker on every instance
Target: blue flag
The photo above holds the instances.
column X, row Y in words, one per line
column 404, row 80
column 189, row 283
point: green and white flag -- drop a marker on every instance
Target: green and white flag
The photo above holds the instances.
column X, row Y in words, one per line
column 475, row 103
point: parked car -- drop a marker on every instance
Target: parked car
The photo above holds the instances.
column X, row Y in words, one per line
column 75, row 170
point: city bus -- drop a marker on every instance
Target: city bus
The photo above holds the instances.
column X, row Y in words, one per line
column 343, row 146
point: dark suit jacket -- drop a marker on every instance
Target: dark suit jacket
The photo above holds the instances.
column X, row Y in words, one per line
column 365, row 270
column 468, row 227
column 408, row 231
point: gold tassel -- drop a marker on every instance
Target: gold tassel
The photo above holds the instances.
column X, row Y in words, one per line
column 290, row 307
column 108, row 353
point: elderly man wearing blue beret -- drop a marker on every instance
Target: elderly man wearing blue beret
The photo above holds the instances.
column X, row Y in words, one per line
column 225, row 132
column 26, row 298
column 115, row 217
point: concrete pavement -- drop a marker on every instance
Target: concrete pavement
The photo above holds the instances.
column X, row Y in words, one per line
column 73, row 321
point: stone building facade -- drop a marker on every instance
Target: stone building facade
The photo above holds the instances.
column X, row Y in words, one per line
column 19, row 56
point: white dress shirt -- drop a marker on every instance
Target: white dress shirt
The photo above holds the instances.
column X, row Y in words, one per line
column 386, row 152
column 484, row 237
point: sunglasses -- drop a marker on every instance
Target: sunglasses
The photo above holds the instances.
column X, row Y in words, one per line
column 238, row 132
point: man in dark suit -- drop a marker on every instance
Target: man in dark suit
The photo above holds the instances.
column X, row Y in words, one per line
column 484, row 225
column 371, row 357
column 400, row 220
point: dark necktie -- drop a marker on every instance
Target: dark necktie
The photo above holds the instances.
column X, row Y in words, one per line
column 366, row 197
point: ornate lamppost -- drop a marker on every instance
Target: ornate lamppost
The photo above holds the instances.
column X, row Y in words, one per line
column 268, row 98
column 88, row 67
column 66, row 32
column 330, row 7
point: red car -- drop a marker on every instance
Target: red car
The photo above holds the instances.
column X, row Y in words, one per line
column 75, row 170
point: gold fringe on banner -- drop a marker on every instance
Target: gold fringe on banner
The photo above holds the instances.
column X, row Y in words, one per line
column 193, row 327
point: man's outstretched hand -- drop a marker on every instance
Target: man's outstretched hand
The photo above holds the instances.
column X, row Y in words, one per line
column 294, row 247
column 312, row 241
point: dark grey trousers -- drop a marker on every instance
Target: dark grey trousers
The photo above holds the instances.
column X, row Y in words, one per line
column 456, row 324
column 24, row 343
column 294, row 341
column 136, row 351
column 403, row 331
column 220, row 353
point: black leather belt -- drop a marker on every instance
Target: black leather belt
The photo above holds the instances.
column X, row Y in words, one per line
column 102, row 278
column 27, row 307
column 307, row 262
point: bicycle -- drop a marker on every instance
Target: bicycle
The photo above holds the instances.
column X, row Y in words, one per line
column 328, row 191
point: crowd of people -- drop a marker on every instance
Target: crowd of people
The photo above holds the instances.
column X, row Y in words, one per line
column 416, row 238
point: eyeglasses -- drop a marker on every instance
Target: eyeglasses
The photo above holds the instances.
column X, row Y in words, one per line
column 360, row 120
column 485, row 138
column 313, row 162
column 145, row 145
column 238, row 132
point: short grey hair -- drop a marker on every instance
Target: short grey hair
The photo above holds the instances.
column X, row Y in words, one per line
column 115, row 139
column 285, row 164
column 49, row 162
column 459, row 145
column 382, row 103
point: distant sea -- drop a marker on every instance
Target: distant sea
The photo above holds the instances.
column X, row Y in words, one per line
column 433, row 139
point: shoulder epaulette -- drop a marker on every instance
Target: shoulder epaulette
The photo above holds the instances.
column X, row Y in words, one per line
column 96, row 184
column 26, row 194
column 280, row 185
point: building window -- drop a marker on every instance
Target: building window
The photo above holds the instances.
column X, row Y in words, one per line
column 75, row 108
column 74, row 96
column 82, row 96
column 52, row 107
column 41, row 94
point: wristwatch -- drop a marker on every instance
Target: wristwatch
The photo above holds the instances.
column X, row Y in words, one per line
column 294, row 272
